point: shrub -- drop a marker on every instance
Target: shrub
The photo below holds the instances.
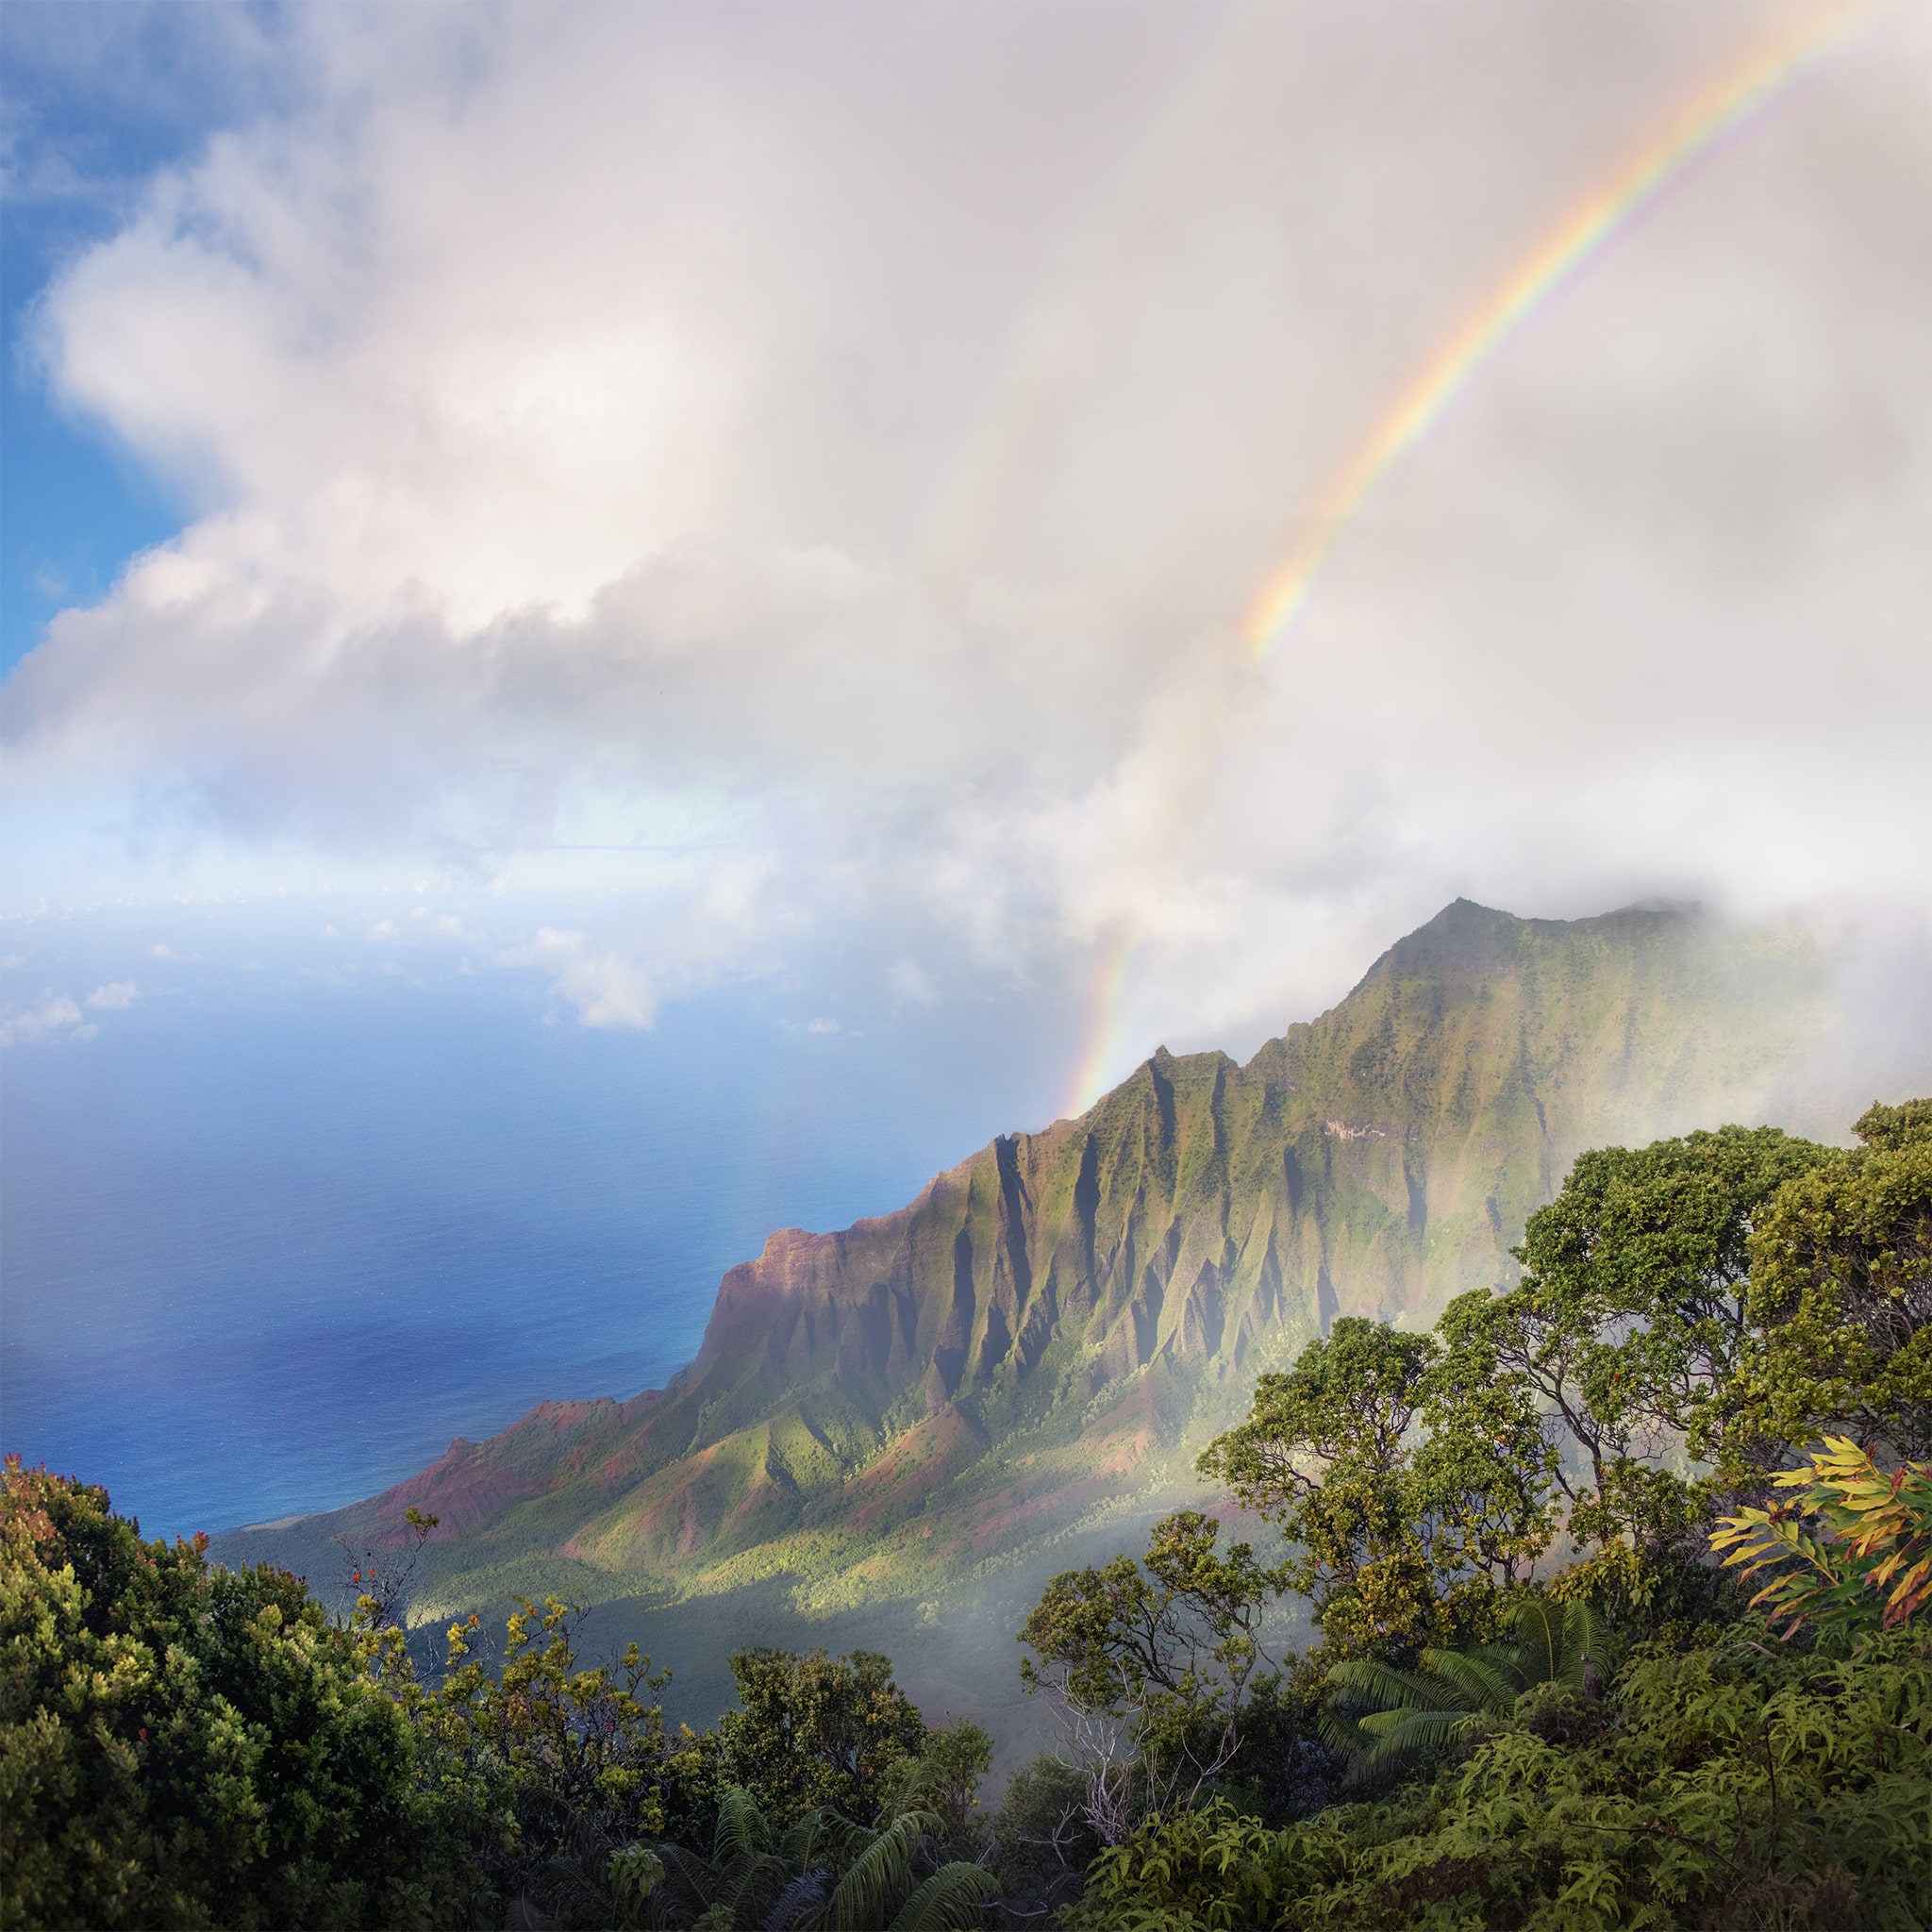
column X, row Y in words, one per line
column 1737, row 1784
column 185, row 1746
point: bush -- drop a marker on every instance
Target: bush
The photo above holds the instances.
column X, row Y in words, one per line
column 815, row 1730
column 1739, row 1784
column 1042, row 1841
column 183, row 1746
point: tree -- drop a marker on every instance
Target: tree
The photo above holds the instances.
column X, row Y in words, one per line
column 380, row 1574
column 1152, row 1663
column 1634, row 1317
column 1484, row 1480
column 547, row 1776
column 1043, row 1842
column 1841, row 1296
column 954, row 1758
column 815, row 1730
column 1322, row 1454
column 184, row 1745
column 1396, row 1543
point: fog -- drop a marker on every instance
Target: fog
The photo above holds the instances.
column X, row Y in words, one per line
column 735, row 480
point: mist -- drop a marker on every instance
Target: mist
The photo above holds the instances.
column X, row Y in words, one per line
column 767, row 478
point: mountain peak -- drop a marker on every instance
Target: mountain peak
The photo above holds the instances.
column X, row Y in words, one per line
column 1082, row 1304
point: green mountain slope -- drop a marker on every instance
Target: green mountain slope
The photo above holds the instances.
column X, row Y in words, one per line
column 1033, row 1347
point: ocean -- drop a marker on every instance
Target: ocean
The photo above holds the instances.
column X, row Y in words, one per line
column 268, row 1242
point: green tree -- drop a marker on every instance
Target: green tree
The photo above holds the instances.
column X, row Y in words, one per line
column 181, row 1745
column 1152, row 1663
column 953, row 1761
column 814, row 1730
column 1043, row 1843
column 1842, row 1297
column 1483, row 1482
column 1633, row 1318
column 545, row 1777
column 1396, row 1542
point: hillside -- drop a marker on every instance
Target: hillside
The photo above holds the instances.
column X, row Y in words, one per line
column 1030, row 1352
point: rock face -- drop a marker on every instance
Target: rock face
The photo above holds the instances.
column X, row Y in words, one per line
column 1054, row 1325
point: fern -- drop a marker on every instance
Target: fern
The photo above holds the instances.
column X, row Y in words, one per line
column 881, row 1874
column 950, row 1901
column 1873, row 1567
column 1389, row 1717
column 799, row 1904
column 742, row 1832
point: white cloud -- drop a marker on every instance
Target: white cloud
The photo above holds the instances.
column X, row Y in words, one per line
column 822, row 1025
column 720, row 919
column 53, row 1015
column 115, row 997
column 908, row 985
column 785, row 466
column 606, row 988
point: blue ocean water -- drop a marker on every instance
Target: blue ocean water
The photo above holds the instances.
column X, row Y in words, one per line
column 267, row 1244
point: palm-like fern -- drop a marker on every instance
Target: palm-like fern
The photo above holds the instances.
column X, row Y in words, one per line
column 824, row 1875
column 1387, row 1718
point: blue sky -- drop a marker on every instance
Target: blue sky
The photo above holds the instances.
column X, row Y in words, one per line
column 97, row 99
column 72, row 509
column 727, row 480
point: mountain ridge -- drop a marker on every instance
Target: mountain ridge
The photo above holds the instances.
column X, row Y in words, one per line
column 1039, row 1339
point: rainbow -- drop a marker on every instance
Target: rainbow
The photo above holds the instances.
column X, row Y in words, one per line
column 1720, row 109
column 1089, row 1082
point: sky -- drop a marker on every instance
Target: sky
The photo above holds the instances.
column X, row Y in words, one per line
column 646, row 496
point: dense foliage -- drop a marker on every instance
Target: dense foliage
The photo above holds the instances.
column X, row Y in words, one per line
column 1543, row 1694
column 185, row 1746
column 1520, row 1535
column 1733, row 1784
column 188, row 1746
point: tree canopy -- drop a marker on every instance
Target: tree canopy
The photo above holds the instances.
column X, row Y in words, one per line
column 1621, row 1577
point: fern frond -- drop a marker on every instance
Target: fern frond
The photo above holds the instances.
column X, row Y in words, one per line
column 950, row 1901
column 741, row 1832
column 1365, row 1682
column 1585, row 1639
column 754, row 1885
column 808, row 1838
column 1414, row 1734
column 880, row 1873
column 1474, row 1683
column 690, row 1873
column 800, row 1902
column 1540, row 1640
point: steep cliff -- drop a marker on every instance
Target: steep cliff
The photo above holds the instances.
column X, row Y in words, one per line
column 1045, row 1335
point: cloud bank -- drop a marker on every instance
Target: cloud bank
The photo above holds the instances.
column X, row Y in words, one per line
column 772, row 466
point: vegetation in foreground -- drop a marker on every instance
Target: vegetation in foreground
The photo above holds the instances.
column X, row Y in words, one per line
column 1620, row 1578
